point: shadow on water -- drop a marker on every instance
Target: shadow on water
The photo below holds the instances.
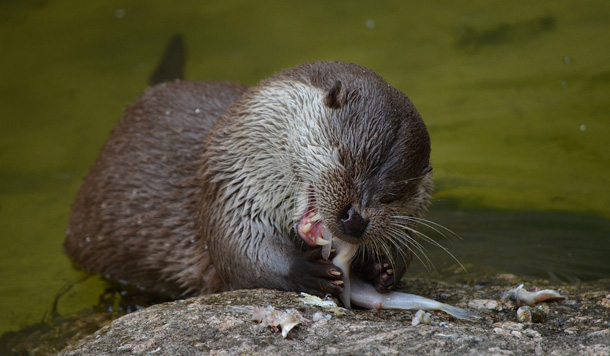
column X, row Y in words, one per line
column 473, row 39
column 171, row 65
column 558, row 246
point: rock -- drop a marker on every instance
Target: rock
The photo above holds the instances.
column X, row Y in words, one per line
column 220, row 325
column 484, row 304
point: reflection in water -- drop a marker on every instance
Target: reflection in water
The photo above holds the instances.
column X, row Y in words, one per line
column 551, row 245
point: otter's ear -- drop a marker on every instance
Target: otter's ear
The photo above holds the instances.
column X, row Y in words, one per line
column 336, row 97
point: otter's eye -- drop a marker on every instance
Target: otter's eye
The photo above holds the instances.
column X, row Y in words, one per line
column 392, row 195
column 388, row 198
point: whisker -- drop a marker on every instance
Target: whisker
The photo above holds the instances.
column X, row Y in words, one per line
column 429, row 240
column 400, row 242
column 414, row 178
column 429, row 224
column 400, row 234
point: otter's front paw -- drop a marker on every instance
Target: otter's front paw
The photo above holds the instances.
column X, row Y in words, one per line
column 312, row 274
column 381, row 275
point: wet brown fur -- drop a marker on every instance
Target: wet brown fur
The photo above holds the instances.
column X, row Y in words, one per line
column 152, row 211
column 134, row 216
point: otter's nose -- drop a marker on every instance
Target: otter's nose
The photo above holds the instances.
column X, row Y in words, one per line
column 353, row 223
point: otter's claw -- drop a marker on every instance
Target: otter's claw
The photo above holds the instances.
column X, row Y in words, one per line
column 312, row 274
column 381, row 275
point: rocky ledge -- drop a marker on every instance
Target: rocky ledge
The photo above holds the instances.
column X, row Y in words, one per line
column 222, row 324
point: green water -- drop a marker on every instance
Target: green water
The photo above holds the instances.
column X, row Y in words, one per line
column 516, row 95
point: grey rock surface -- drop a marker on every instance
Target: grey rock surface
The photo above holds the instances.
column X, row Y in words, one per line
column 221, row 325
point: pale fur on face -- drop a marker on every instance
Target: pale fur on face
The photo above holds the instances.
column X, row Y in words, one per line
column 288, row 126
column 288, row 149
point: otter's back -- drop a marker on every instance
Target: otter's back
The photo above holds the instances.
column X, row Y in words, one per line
column 134, row 217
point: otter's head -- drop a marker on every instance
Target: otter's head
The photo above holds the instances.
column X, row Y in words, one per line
column 326, row 146
column 361, row 156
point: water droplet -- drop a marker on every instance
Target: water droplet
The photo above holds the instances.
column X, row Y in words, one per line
column 370, row 24
column 583, row 127
column 119, row 13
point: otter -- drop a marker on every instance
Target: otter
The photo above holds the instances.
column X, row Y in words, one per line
column 205, row 187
